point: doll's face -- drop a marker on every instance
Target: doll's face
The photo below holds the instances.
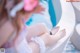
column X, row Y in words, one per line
column 30, row 4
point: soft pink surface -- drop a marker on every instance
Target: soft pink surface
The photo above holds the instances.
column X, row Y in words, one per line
column 30, row 4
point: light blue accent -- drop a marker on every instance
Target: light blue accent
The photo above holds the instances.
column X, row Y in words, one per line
column 51, row 12
column 29, row 21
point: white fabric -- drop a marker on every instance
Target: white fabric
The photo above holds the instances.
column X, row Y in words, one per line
column 23, row 47
column 10, row 50
column 16, row 9
column 41, row 44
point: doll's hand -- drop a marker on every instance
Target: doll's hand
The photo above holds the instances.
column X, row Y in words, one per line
column 50, row 40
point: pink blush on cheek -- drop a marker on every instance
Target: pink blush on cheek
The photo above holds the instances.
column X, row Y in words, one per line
column 28, row 6
column 35, row 4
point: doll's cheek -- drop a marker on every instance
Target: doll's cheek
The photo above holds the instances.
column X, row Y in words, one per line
column 34, row 4
column 28, row 7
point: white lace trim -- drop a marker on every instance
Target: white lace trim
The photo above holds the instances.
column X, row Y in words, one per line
column 40, row 42
column 23, row 47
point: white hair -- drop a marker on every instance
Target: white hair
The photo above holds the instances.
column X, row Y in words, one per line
column 16, row 8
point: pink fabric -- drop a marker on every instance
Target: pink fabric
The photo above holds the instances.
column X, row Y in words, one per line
column 29, row 5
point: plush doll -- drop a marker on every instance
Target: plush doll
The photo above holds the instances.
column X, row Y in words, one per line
column 16, row 36
column 39, row 34
column 28, row 6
